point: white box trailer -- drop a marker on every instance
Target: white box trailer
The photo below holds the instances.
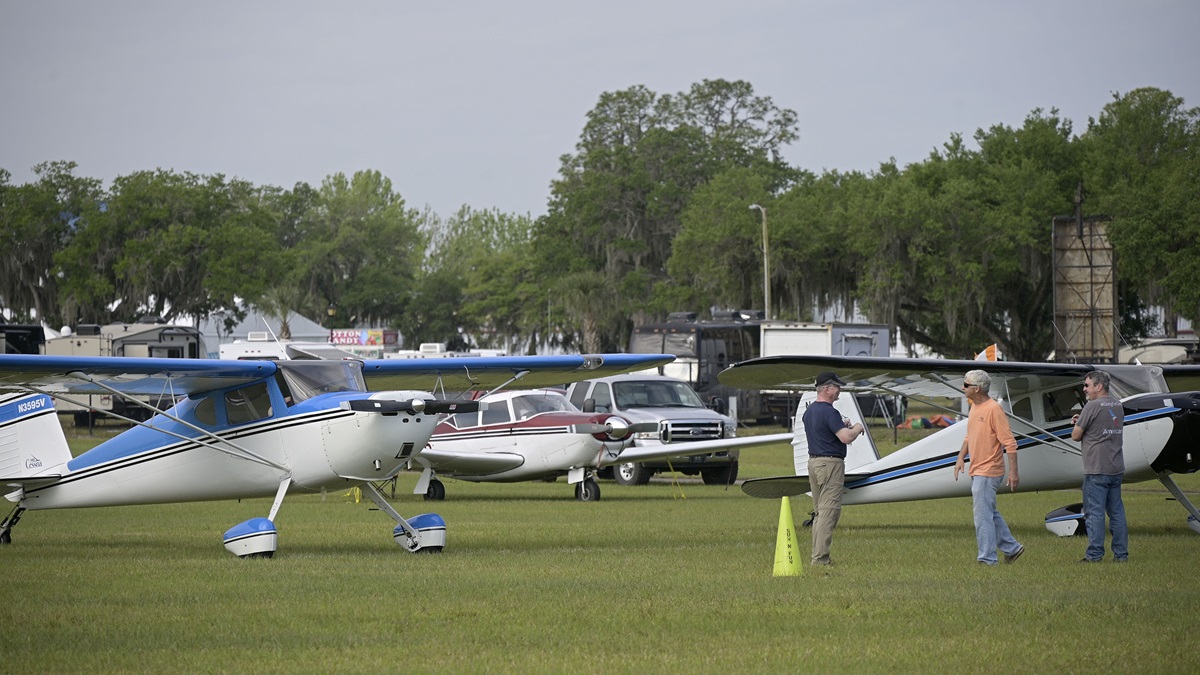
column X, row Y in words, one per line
column 795, row 338
column 142, row 340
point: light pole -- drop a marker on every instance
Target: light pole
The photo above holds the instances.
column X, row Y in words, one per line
column 766, row 264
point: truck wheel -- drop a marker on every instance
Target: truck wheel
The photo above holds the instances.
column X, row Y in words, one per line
column 725, row 475
column 631, row 473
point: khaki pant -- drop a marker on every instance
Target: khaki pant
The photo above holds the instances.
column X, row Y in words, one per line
column 827, row 476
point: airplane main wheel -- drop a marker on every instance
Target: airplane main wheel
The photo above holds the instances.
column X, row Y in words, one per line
column 436, row 491
column 587, row 490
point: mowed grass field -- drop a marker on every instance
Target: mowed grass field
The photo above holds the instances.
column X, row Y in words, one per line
column 661, row 578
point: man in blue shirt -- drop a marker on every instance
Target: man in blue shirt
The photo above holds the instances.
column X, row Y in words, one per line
column 828, row 435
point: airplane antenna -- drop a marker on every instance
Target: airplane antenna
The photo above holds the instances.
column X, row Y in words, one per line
column 274, row 337
column 1070, row 352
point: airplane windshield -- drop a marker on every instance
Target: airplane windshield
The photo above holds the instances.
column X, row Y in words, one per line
column 655, row 394
column 310, row 378
column 532, row 404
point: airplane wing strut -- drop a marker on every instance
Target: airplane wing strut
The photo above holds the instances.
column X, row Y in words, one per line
column 1050, row 438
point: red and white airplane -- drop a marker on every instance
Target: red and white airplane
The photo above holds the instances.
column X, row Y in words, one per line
column 538, row 435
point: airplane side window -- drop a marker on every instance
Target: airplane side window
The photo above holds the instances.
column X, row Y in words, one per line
column 464, row 420
column 1023, row 408
column 523, row 408
column 497, row 413
column 247, row 404
column 206, row 411
column 1058, row 405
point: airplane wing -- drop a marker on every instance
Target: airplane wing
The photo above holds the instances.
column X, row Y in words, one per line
column 469, row 373
column 76, row 374
column 784, row 486
column 474, row 463
column 649, row 452
column 1182, row 378
column 910, row 377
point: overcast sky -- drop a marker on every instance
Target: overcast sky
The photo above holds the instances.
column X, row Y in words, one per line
column 474, row 102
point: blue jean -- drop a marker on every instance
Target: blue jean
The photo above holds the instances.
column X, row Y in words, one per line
column 1101, row 495
column 991, row 532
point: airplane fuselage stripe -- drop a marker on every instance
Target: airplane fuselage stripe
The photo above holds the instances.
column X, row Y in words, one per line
column 178, row 447
column 927, row 465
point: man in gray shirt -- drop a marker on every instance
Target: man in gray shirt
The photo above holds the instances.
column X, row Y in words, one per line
column 1099, row 428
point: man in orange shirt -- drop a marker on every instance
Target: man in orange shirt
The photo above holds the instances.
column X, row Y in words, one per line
column 989, row 440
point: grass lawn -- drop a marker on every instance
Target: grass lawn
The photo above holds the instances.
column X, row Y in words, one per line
column 663, row 577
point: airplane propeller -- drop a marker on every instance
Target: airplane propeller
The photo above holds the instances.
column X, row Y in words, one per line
column 616, row 428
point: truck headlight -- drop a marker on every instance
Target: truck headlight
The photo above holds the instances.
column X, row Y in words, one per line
column 730, row 431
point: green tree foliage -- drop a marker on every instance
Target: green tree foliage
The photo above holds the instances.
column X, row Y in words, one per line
column 167, row 244
column 480, row 266
column 717, row 257
column 617, row 206
column 957, row 251
column 359, row 247
column 649, row 215
column 38, row 220
column 1143, row 168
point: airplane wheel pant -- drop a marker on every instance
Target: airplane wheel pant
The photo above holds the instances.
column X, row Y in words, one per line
column 827, row 476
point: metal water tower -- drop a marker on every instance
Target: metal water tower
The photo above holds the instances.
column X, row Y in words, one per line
column 1085, row 288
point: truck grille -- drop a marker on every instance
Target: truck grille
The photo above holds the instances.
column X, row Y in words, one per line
column 680, row 431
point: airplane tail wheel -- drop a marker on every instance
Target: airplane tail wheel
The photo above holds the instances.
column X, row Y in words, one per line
column 587, row 490
column 436, row 491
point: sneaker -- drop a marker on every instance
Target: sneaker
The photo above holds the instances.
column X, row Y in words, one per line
column 1120, row 560
column 1010, row 558
column 1089, row 560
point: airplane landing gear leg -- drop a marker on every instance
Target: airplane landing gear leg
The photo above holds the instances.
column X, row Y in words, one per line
column 7, row 526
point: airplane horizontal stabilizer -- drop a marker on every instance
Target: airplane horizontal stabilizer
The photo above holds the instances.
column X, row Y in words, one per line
column 784, row 486
column 646, row 453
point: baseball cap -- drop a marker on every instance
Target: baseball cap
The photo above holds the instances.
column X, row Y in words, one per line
column 829, row 376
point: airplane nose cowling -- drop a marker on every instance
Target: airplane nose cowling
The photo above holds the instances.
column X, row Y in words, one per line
column 616, row 429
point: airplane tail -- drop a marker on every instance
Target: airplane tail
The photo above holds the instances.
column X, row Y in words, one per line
column 990, row 353
column 32, row 442
column 858, row 454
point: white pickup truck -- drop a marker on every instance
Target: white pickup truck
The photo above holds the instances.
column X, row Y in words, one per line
column 680, row 414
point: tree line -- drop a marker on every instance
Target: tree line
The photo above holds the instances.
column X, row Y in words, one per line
column 650, row 214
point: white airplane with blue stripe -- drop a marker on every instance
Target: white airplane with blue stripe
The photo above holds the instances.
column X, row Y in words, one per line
column 246, row 429
column 1161, row 437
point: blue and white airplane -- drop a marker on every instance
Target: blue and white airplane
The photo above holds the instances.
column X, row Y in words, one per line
column 244, row 429
column 1162, row 426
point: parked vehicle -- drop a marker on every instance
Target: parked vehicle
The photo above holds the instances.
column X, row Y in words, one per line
column 147, row 339
column 680, row 414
